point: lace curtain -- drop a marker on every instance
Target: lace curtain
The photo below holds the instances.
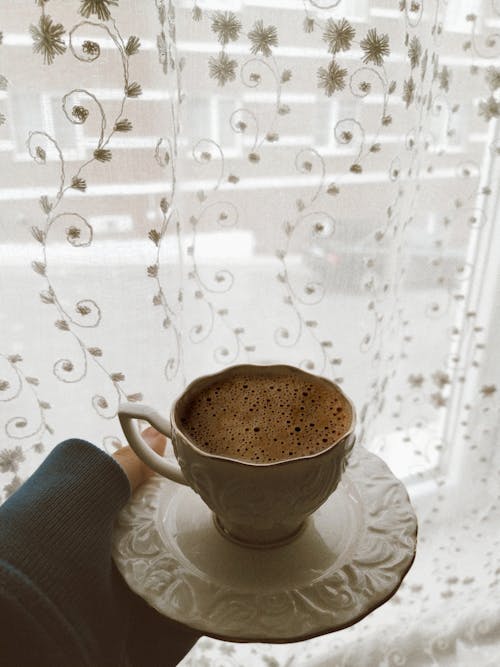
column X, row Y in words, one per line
column 192, row 184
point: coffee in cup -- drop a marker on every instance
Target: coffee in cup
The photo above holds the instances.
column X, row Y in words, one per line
column 266, row 418
column 263, row 446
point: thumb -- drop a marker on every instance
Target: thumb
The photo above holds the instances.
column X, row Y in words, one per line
column 155, row 439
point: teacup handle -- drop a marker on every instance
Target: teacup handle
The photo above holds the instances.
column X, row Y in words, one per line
column 127, row 414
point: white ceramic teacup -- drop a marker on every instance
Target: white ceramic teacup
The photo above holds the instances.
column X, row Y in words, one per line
column 256, row 504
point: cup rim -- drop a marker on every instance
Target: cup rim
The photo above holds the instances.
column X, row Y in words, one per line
column 276, row 367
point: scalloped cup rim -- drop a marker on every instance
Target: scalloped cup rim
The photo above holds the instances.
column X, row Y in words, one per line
column 209, row 377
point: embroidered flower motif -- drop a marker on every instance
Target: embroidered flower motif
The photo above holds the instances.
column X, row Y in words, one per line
column 226, row 26
column 41, row 154
column 91, row 48
column 78, row 183
column 331, row 78
column 47, row 39
column 338, row 35
column 263, row 38
column 414, row 51
column 10, row 459
column 375, row 47
column 416, row 381
column 493, row 77
column 308, row 24
column 133, row 89
column 73, row 232
column 123, row 125
column 489, row 108
column 408, row 91
column 222, row 68
column 133, row 45
column 444, row 78
column 102, row 154
column 438, row 400
column 80, row 113
column 441, row 379
column 12, row 486
column 99, row 7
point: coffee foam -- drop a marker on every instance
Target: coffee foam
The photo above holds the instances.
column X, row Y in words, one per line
column 265, row 419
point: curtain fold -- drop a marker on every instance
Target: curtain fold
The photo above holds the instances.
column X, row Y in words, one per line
column 192, row 184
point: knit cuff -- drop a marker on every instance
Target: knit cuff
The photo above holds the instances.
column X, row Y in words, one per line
column 58, row 524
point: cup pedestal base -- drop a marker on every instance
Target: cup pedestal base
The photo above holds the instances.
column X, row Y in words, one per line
column 259, row 544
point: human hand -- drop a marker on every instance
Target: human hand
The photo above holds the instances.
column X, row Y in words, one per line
column 135, row 469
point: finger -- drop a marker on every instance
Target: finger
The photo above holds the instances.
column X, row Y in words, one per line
column 131, row 465
column 151, row 433
column 155, row 439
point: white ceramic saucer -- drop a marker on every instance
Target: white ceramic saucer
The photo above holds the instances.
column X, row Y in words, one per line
column 350, row 558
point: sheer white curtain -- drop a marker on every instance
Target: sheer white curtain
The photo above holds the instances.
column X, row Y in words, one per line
column 187, row 185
